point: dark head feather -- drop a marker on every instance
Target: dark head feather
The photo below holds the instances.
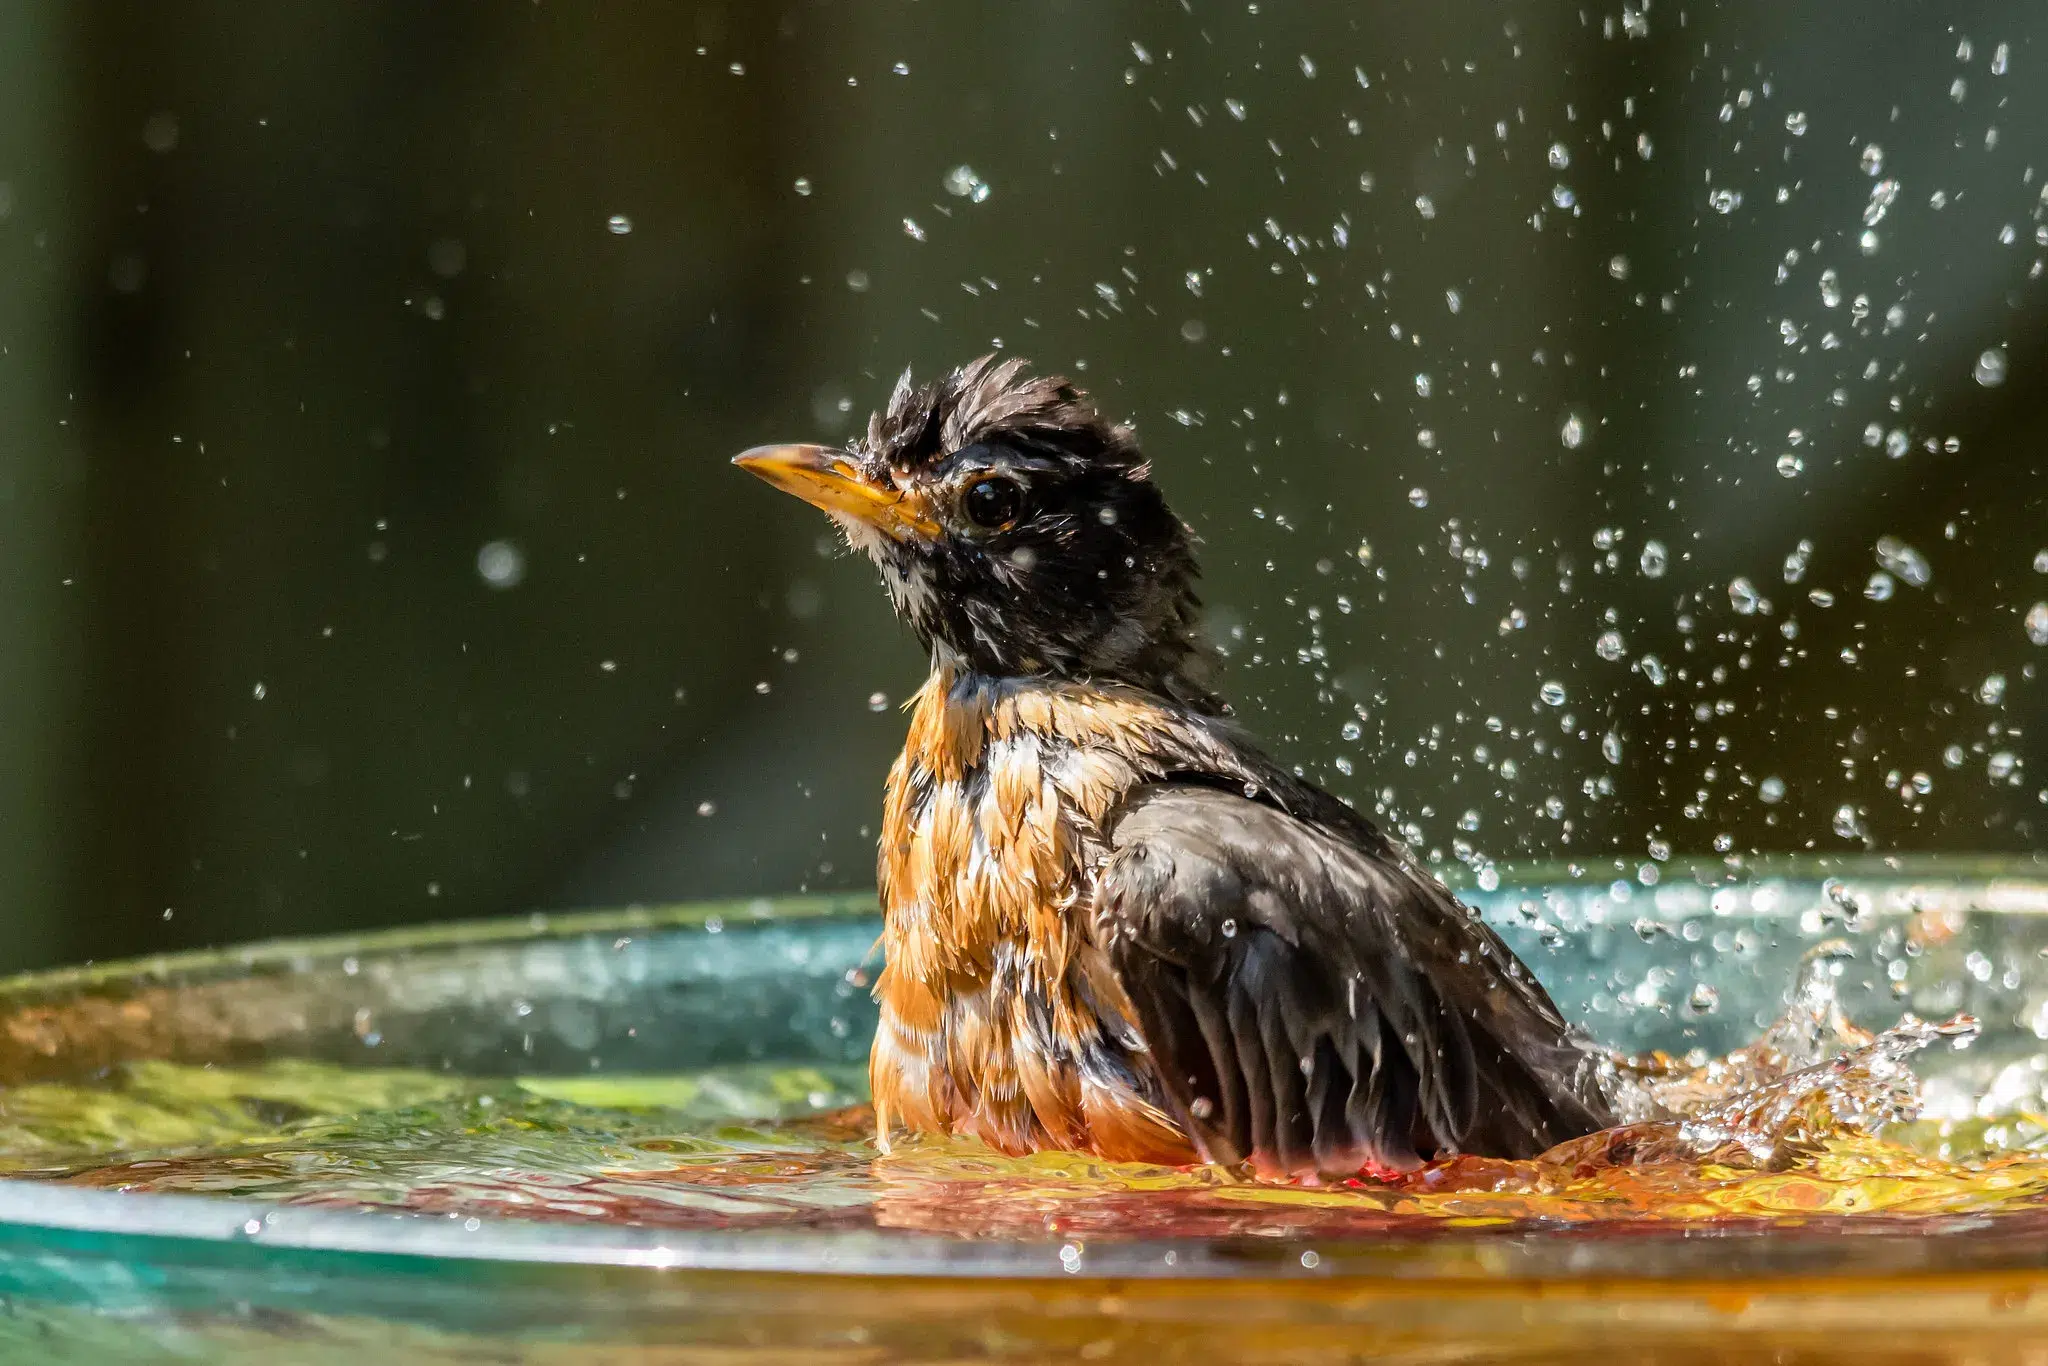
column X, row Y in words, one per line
column 1095, row 576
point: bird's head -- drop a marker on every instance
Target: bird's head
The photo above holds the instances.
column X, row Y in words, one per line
column 1018, row 531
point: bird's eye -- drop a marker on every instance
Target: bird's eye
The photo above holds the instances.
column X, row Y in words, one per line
column 993, row 503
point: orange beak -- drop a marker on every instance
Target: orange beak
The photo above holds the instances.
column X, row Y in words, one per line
column 825, row 478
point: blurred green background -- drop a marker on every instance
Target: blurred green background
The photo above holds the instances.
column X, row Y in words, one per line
column 368, row 372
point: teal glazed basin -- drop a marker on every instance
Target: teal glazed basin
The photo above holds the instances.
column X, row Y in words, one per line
column 453, row 1144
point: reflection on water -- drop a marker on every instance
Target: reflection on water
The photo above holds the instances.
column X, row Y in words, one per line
column 1816, row 1119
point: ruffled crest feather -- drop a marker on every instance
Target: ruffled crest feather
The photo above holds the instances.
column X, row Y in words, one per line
column 989, row 398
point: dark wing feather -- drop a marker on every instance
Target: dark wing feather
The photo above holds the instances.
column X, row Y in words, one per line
column 1314, row 1003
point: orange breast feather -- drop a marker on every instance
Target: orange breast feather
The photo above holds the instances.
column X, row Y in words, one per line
column 999, row 1017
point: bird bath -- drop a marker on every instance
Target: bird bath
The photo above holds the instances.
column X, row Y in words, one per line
column 626, row 1137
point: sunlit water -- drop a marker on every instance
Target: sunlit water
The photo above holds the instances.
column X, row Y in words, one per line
column 1815, row 1121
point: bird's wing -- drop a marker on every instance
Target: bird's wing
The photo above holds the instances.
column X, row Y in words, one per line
column 1315, row 1004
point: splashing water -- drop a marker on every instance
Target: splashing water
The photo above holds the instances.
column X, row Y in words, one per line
column 1903, row 560
column 962, row 182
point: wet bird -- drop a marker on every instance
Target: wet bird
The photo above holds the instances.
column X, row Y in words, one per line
column 1111, row 923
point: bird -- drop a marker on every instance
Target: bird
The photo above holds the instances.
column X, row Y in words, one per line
column 1112, row 924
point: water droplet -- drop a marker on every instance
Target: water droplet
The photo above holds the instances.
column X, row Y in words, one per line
column 1771, row 791
column 1872, row 159
column 2037, row 623
column 1652, row 668
column 1653, row 560
column 1831, row 289
column 1868, row 243
column 1562, row 196
column 1351, row 730
column 878, row 701
column 1903, row 560
column 1422, row 386
column 1425, row 206
column 1795, row 123
column 1743, row 597
column 1897, row 443
column 2001, row 59
column 2041, row 562
column 1610, row 646
column 1610, row 747
column 2001, row 765
column 259, row 692
column 1790, row 465
column 1847, row 906
column 963, row 182
column 1235, row 108
column 1364, row 552
column 1725, row 200
column 501, row 564
column 160, row 132
column 1847, row 823
column 1879, row 588
column 1308, row 66
column 1990, row 368
column 707, row 808
column 1560, row 156
column 1704, row 1000
column 912, row 230
column 618, row 225
column 1991, row 692
column 802, row 185
column 1796, row 562
column 1573, row 432
column 1418, row 497
column 1617, row 266
column 1552, row 693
